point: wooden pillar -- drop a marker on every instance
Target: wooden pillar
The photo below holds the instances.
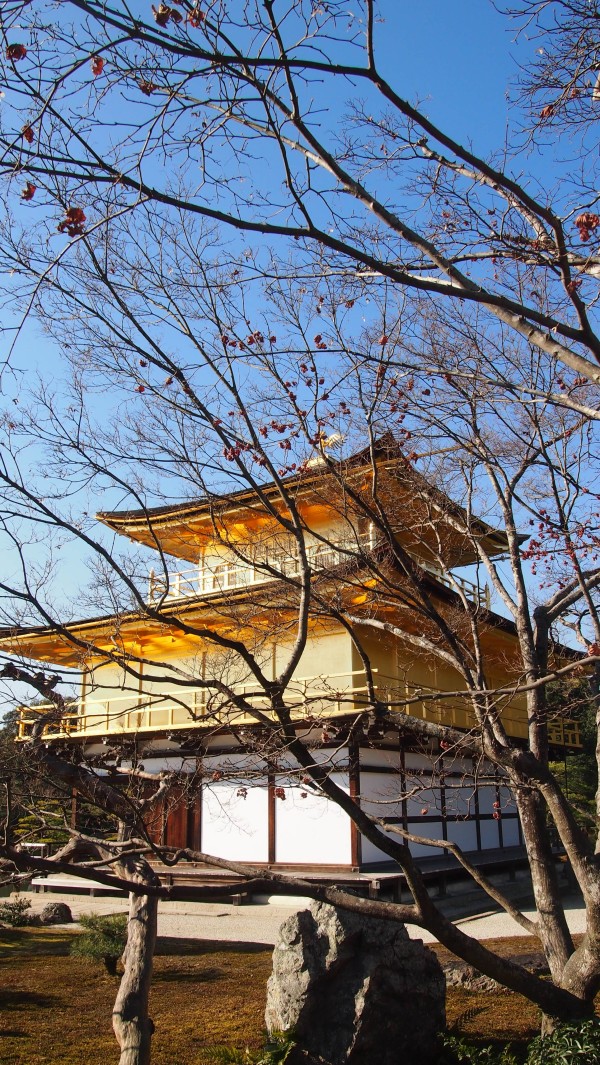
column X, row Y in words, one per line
column 272, row 813
column 354, row 783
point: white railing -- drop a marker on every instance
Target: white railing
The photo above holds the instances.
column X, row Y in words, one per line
column 313, row 698
column 477, row 593
column 182, row 708
column 226, row 575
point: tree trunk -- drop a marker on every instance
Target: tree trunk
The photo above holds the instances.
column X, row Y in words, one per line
column 132, row 1025
column 553, row 929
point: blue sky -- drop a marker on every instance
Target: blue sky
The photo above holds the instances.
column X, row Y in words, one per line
column 458, row 58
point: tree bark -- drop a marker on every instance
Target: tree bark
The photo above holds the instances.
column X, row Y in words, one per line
column 132, row 1024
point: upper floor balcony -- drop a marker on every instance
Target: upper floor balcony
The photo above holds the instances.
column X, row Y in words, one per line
column 228, row 574
column 315, row 700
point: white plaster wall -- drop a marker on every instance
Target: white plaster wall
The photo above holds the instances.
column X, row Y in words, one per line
column 464, row 833
column 371, row 853
column 487, row 798
column 426, row 803
column 418, row 761
column 232, row 826
column 460, row 800
column 381, row 794
column 311, row 829
column 333, row 756
column 234, row 763
column 433, row 830
column 489, row 835
column 507, row 803
column 510, row 832
column 373, row 757
column 169, row 765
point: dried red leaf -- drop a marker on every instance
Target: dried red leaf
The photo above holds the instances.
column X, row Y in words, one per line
column 547, row 111
column 147, row 87
column 586, row 224
column 196, row 17
column 28, row 134
column 29, row 191
column 73, row 222
column 97, row 65
column 163, row 15
column 573, row 286
column 16, row 52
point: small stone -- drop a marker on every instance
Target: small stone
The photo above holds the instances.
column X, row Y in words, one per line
column 56, row 913
column 470, row 979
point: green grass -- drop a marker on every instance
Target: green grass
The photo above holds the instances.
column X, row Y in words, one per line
column 56, row 1009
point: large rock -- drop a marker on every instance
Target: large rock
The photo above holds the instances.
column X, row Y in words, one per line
column 56, row 913
column 356, row 989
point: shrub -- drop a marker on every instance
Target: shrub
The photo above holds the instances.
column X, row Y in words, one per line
column 276, row 1050
column 569, row 1044
column 577, row 1043
column 16, row 914
column 103, row 939
column 458, row 1050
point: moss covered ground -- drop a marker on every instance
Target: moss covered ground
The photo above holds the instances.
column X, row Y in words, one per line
column 56, row 1010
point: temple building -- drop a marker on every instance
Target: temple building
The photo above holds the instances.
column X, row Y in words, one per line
column 157, row 679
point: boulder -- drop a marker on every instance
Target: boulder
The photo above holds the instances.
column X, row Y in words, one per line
column 356, row 989
column 56, row 913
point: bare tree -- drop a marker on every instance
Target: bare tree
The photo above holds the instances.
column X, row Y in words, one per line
column 560, row 83
column 229, row 105
column 237, row 366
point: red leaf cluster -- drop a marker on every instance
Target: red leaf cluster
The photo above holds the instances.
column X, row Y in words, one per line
column 164, row 14
column 573, row 286
column 586, row 224
column 279, row 793
column 147, row 87
column 29, row 191
column 28, row 134
column 97, row 65
column 196, row 17
column 73, row 222
column 16, row 52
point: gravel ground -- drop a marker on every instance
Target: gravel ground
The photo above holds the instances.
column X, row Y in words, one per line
column 258, row 922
